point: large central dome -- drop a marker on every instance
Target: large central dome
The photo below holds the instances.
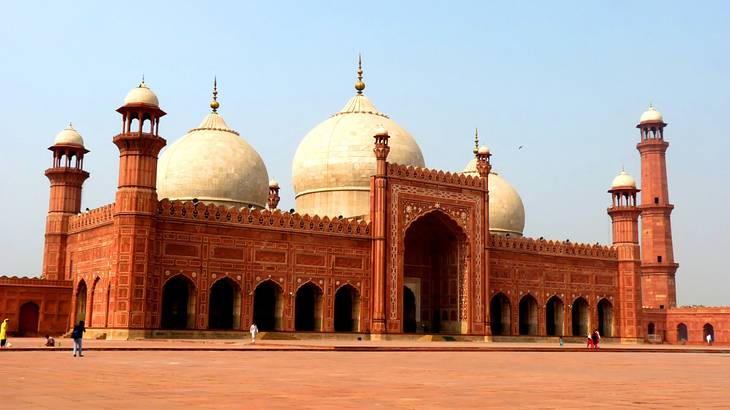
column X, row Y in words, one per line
column 213, row 164
column 333, row 164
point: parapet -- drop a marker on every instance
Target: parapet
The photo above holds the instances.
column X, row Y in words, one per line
column 550, row 247
column 265, row 218
column 434, row 175
column 91, row 218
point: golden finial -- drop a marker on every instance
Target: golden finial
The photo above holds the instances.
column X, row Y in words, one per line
column 215, row 104
column 476, row 141
column 70, row 124
column 359, row 85
column 142, row 84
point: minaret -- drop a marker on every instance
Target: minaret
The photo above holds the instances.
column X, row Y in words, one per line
column 657, row 256
column 67, row 177
column 378, row 192
column 135, row 208
column 624, row 212
column 273, row 200
column 484, row 167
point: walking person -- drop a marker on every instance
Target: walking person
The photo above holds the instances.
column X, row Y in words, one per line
column 254, row 331
column 78, row 334
column 4, row 334
column 594, row 339
column 708, row 338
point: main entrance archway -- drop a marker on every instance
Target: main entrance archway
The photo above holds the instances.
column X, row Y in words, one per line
column 528, row 315
column 605, row 318
column 579, row 317
column 554, row 310
column 435, row 255
column 28, row 322
column 81, row 291
column 178, row 304
column 268, row 306
column 500, row 313
column 308, row 308
column 224, row 306
column 347, row 309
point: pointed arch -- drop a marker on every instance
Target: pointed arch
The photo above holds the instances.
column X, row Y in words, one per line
column 224, row 304
column 708, row 329
column 682, row 334
column 81, row 294
column 178, row 303
column 554, row 316
column 268, row 305
column 579, row 317
column 308, row 307
column 500, row 312
column 96, row 303
column 347, row 309
column 528, row 315
column 28, row 319
column 605, row 317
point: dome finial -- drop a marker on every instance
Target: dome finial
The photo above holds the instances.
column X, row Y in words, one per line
column 359, row 85
column 141, row 83
column 215, row 104
column 476, row 141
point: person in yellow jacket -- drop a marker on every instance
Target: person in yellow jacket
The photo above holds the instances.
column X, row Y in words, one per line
column 4, row 333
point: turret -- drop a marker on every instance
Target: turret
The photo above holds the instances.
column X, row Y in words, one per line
column 67, row 177
column 624, row 214
column 657, row 254
column 273, row 200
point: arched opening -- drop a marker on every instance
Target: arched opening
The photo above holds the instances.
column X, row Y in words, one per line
column 409, row 311
column 528, row 315
column 554, row 310
column 178, row 304
column 605, row 318
column 308, row 308
column 708, row 329
column 80, row 302
column 651, row 329
column 579, row 317
column 435, row 259
column 28, row 322
column 500, row 312
column 224, row 305
column 347, row 309
column 268, row 306
column 97, row 299
column 682, row 333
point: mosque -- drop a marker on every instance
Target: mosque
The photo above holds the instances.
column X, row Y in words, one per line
column 379, row 246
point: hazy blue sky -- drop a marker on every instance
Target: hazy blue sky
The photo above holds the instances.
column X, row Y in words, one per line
column 567, row 80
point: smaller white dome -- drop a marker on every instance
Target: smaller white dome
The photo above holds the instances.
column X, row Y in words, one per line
column 483, row 150
column 273, row 183
column 623, row 180
column 651, row 115
column 68, row 136
column 141, row 95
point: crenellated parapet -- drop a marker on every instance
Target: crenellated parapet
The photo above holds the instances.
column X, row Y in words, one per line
column 434, row 176
column 551, row 247
column 32, row 281
column 93, row 218
column 262, row 218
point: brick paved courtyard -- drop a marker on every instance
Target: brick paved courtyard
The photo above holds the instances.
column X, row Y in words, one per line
column 377, row 379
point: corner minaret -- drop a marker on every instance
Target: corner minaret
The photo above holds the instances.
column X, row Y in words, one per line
column 67, row 177
column 624, row 212
column 378, row 193
column 657, row 255
column 135, row 211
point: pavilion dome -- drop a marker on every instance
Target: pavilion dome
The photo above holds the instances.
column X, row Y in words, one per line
column 213, row 164
column 68, row 136
column 332, row 166
column 651, row 115
column 623, row 180
column 141, row 95
column 506, row 211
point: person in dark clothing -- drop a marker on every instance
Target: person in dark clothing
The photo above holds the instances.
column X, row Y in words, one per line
column 77, row 335
column 595, row 339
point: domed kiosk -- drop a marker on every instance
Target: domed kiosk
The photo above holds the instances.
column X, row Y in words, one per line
column 213, row 164
column 332, row 166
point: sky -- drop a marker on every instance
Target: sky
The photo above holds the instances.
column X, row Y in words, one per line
column 565, row 80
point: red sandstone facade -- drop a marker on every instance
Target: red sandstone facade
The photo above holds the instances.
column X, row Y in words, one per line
column 425, row 263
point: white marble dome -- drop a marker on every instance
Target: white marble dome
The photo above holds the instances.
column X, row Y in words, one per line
column 333, row 163
column 213, row 164
column 141, row 95
column 651, row 115
column 623, row 180
column 68, row 136
column 506, row 211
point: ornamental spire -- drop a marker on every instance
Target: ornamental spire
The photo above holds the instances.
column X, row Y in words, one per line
column 215, row 104
column 359, row 85
column 476, row 141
